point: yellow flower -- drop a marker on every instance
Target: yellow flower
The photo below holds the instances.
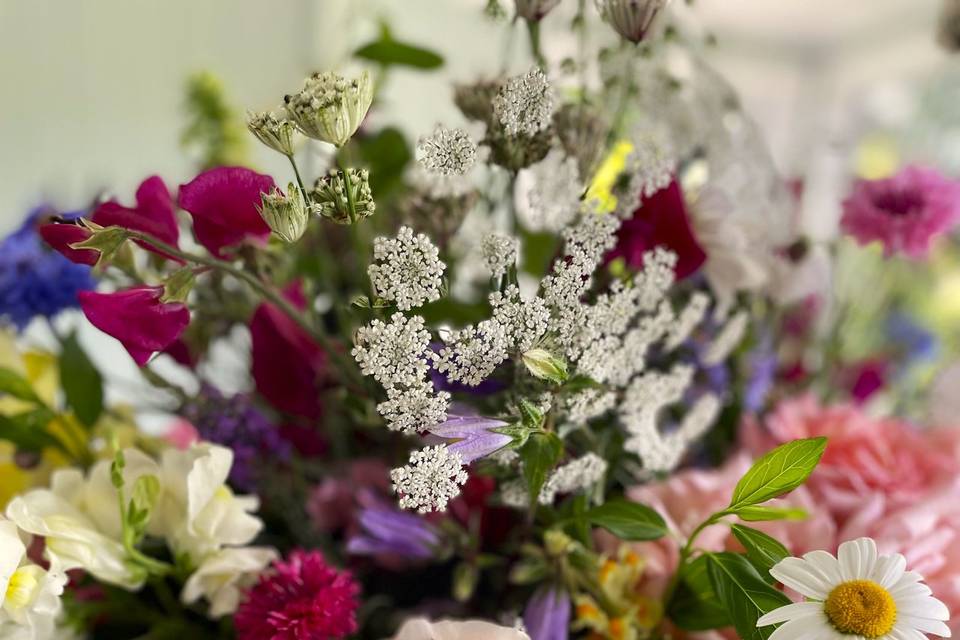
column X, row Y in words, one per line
column 601, row 188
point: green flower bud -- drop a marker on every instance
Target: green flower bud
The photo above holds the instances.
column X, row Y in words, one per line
column 330, row 108
column 546, row 366
column 286, row 215
column 344, row 197
column 276, row 133
column 107, row 240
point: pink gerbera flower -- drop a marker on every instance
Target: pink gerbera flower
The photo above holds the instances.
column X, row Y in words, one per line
column 904, row 212
column 301, row 598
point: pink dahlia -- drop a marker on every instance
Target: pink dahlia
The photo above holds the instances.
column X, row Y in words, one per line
column 904, row 212
column 300, row 598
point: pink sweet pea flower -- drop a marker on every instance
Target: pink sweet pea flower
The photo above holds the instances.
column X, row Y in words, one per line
column 137, row 318
column 223, row 202
column 154, row 213
column 61, row 235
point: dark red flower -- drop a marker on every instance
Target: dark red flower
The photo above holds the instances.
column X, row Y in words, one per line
column 300, row 598
column 223, row 203
column 660, row 221
column 137, row 318
column 288, row 366
column 154, row 214
column 61, row 235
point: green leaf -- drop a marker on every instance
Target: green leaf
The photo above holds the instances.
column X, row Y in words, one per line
column 540, row 454
column 387, row 154
column 763, row 514
column 628, row 520
column 762, row 550
column 14, row 384
column 28, row 431
column 81, row 382
column 782, row 470
column 389, row 52
column 744, row 594
column 694, row 605
column 146, row 491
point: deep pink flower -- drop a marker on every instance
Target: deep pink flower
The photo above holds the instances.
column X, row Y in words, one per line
column 137, row 318
column 660, row 221
column 61, row 235
column 223, row 202
column 904, row 212
column 288, row 366
column 300, row 598
column 154, row 213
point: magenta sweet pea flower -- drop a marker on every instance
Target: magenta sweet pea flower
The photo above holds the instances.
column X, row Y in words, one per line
column 904, row 212
column 60, row 235
column 137, row 318
column 223, row 203
column 154, row 214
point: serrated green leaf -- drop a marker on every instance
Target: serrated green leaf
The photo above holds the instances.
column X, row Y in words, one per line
column 628, row 520
column 540, row 455
column 14, row 384
column 764, row 514
column 763, row 551
column 744, row 593
column 694, row 606
column 81, row 382
column 782, row 470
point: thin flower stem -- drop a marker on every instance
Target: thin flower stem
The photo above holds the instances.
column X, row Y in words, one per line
column 533, row 29
column 685, row 552
column 296, row 171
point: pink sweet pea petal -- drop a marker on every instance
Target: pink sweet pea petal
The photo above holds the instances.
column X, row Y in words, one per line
column 223, row 203
column 136, row 318
column 61, row 235
column 153, row 214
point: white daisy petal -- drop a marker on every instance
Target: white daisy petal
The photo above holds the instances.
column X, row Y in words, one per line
column 802, row 577
column 802, row 629
column 857, row 558
column 924, row 625
column 903, row 633
column 826, row 564
column 924, row 607
column 888, row 570
column 790, row 612
column 906, row 588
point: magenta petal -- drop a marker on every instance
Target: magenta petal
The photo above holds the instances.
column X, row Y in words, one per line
column 154, row 213
column 136, row 318
column 61, row 236
column 223, row 203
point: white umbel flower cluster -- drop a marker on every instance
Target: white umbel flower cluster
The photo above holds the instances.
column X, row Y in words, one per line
column 499, row 253
column 414, row 408
column 447, row 152
column 408, row 270
column 525, row 104
column 576, row 475
column 525, row 322
column 727, row 340
column 474, row 352
column 588, row 404
column 548, row 193
column 430, row 480
column 649, row 167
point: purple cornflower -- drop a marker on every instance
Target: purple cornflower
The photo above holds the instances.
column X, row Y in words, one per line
column 387, row 530
column 475, row 436
column 547, row 616
column 762, row 371
column 236, row 422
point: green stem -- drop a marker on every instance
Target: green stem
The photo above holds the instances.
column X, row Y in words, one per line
column 685, row 552
column 296, row 171
column 533, row 29
column 348, row 186
column 626, row 81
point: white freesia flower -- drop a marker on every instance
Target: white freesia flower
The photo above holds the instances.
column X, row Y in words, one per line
column 423, row 629
column 198, row 512
column 858, row 594
column 222, row 576
column 29, row 595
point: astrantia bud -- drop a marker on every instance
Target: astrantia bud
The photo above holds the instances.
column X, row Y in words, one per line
column 331, row 108
column 330, row 198
column 535, row 9
column 630, row 18
column 546, row 366
column 276, row 133
column 286, row 215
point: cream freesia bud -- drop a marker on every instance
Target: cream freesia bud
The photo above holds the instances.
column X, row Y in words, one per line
column 276, row 133
column 286, row 215
column 344, row 197
column 330, row 108
column 630, row 18
column 535, row 10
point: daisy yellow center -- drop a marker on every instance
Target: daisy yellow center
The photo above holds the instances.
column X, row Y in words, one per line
column 861, row 607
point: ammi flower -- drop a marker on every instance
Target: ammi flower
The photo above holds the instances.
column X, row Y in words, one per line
column 858, row 594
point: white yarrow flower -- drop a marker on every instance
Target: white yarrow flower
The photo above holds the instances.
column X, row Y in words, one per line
column 525, row 104
column 432, row 478
column 408, row 269
column 447, row 152
column 858, row 594
column 548, row 193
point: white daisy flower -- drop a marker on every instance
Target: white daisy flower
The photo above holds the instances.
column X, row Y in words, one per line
column 859, row 594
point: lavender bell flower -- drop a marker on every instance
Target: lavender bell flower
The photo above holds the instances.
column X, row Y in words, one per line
column 547, row 616
column 475, row 436
column 389, row 531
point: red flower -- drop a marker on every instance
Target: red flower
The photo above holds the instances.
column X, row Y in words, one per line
column 223, row 203
column 136, row 318
column 661, row 221
column 288, row 366
column 301, row 598
column 154, row 214
column 61, row 235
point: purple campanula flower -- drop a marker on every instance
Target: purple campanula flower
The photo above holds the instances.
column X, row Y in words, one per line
column 762, row 365
column 475, row 436
column 387, row 530
column 547, row 616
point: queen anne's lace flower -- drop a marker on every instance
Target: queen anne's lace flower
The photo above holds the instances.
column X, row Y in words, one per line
column 648, row 168
column 523, row 321
column 408, row 270
column 432, row 478
column 727, row 340
column 525, row 104
column 474, row 352
column 578, row 474
column 447, row 152
column 499, row 253
column 414, row 408
column 396, row 353
column 549, row 193
column 687, row 320
column 588, row 404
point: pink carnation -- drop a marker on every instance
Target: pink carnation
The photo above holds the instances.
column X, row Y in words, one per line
column 904, row 212
column 300, row 598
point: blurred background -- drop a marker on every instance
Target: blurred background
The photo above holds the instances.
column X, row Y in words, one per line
column 94, row 90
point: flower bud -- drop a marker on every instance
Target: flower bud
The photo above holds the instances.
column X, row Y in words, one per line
column 630, row 18
column 546, row 366
column 286, row 215
column 276, row 133
column 331, row 108
column 330, row 196
column 535, row 10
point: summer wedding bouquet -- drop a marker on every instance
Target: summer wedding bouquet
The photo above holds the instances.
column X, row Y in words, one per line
column 569, row 366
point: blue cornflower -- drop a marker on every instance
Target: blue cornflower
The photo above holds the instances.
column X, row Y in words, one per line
column 36, row 281
column 913, row 342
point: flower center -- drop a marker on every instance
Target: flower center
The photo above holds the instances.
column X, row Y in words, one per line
column 861, row 607
column 20, row 589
